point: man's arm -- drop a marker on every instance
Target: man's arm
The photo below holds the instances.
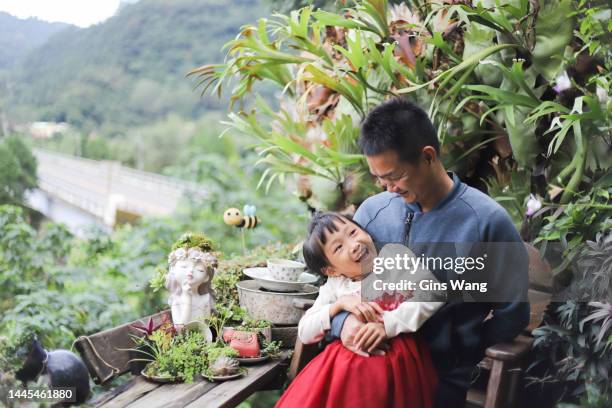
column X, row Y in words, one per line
column 511, row 279
column 507, row 322
column 336, row 326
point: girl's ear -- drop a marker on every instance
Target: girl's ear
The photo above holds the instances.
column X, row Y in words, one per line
column 330, row 271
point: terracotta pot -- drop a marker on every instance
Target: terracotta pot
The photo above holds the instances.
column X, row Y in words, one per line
column 265, row 331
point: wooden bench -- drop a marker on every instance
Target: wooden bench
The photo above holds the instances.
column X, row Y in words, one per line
column 504, row 363
column 106, row 356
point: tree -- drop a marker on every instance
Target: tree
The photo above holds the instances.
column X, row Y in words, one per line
column 17, row 170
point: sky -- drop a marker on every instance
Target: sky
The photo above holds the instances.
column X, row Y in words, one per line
column 82, row 13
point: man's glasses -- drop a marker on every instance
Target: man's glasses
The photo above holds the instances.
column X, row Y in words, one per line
column 392, row 179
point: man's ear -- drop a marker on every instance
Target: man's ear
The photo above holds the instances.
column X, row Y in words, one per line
column 429, row 154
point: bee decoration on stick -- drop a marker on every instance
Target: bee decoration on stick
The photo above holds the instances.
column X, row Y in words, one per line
column 233, row 216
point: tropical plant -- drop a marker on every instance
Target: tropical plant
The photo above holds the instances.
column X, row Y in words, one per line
column 486, row 73
column 575, row 345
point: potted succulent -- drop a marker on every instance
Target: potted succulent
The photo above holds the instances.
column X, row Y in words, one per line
column 221, row 362
column 142, row 353
column 176, row 356
column 252, row 339
column 260, row 326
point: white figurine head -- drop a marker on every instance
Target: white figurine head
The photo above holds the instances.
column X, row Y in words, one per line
column 190, row 267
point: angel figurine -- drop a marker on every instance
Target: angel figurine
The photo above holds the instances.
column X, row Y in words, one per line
column 191, row 270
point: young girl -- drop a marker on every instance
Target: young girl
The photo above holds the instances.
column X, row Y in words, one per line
column 401, row 376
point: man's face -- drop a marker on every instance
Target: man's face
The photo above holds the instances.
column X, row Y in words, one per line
column 407, row 180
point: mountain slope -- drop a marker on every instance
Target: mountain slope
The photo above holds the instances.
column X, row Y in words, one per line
column 129, row 70
column 19, row 36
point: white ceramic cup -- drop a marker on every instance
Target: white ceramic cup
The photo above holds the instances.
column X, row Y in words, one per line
column 285, row 270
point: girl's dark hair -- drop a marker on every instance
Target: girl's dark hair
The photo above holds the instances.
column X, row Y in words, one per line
column 312, row 249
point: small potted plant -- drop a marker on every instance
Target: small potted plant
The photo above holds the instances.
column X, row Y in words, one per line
column 176, row 356
column 221, row 362
column 142, row 353
column 252, row 339
column 260, row 326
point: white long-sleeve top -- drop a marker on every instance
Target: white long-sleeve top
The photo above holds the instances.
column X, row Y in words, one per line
column 406, row 318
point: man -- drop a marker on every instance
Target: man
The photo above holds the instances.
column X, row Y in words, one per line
column 424, row 204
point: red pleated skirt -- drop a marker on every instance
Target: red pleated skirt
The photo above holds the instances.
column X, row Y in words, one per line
column 404, row 377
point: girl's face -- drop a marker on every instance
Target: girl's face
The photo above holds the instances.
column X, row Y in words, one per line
column 350, row 251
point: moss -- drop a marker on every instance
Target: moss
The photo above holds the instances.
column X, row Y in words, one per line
column 193, row 240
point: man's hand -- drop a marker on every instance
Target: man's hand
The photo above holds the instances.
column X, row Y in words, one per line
column 351, row 327
column 370, row 336
column 364, row 311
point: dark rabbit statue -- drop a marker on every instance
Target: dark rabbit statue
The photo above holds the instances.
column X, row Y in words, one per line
column 61, row 368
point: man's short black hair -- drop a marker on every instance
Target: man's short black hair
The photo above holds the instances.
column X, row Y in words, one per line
column 398, row 125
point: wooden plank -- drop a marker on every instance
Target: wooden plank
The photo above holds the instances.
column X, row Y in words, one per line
column 128, row 392
column 111, row 393
column 231, row 393
column 173, row 395
column 510, row 351
column 475, row 398
column 486, row 363
column 302, row 355
column 497, row 386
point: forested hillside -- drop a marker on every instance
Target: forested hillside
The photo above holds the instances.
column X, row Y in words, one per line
column 129, row 70
column 18, row 37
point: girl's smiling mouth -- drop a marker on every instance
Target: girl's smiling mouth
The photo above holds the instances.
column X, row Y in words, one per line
column 363, row 255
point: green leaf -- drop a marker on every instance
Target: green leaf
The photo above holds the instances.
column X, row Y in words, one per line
column 554, row 30
column 477, row 38
column 466, row 63
column 521, row 135
column 505, row 97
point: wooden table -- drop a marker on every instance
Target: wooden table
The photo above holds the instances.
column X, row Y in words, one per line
column 140, row 393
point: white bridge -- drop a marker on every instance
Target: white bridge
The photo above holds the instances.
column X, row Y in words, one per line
column 105, row 192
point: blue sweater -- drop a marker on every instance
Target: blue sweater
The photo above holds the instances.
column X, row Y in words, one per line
column 456, row 334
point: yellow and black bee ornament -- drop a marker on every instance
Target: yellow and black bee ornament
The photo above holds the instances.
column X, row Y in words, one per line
column 233, row 216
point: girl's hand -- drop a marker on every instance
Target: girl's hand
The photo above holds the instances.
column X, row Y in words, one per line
column 370, row 336
column 364, row 311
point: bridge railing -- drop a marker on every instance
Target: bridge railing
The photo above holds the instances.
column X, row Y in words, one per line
column 113, row 173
